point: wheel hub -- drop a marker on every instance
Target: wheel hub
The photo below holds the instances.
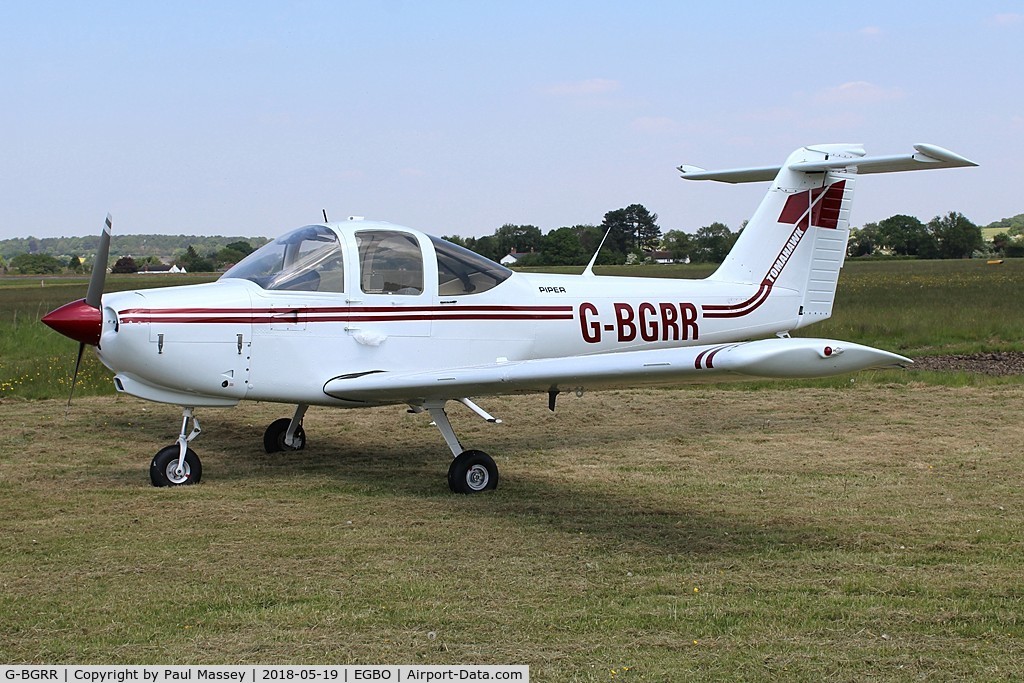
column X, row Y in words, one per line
column 178, row 475
column 477, row 477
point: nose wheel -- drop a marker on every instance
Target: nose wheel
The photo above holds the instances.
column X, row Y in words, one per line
column 165, row 470
column 177, row 464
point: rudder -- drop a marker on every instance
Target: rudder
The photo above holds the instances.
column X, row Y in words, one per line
column 797, row 237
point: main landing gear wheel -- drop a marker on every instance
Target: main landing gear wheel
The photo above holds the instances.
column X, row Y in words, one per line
column 273, row 438
column 472, row 472
column 163, row 471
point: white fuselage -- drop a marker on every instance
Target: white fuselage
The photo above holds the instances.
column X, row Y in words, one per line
column 230, row 340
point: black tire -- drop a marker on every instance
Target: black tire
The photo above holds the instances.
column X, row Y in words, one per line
column 161, row 470
column 273, row 438
column 472, row 472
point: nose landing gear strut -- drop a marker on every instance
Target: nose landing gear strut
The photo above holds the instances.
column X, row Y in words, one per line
column 177, row 464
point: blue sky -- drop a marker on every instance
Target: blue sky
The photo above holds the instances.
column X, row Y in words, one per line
column 456, row 117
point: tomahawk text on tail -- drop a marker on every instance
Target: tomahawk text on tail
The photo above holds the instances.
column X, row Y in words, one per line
column 364, row 313
column 796, row 240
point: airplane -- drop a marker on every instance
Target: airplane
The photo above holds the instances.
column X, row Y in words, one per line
column 360, row 313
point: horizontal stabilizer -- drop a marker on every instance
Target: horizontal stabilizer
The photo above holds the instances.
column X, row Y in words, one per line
column 852, row 159
column 791, row 357
column 733, row 175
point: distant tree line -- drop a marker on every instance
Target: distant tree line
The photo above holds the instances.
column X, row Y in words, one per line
column 633, row 236
column 164, row 247
column 951, row 236
column 128, row 253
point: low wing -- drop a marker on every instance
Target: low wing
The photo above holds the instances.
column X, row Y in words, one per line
column 775, row 358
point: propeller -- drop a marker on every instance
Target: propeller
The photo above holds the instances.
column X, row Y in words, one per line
column 99, row 267
column 82, row 320
column 74, row 378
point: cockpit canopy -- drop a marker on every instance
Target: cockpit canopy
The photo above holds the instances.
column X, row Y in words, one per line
column 298, row 260
column 391, row 261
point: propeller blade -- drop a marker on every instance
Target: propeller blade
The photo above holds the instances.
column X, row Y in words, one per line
column 99, row 267
column 74, row 377
column 76, row 315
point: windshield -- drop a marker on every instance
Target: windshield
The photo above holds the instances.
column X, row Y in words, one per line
column 308, row 259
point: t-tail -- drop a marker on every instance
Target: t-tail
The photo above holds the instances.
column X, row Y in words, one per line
column 796, row 240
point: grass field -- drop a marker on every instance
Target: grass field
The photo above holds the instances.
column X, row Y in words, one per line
column 865, row 533
column 35, row 361
column 842, row 531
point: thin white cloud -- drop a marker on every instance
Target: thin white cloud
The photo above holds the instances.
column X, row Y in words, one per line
column 858, row 92
column 590, row 86
column 871, row 32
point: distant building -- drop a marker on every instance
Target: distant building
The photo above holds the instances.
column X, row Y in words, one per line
column 511, row 258
column 156, row 270
column 661, row 256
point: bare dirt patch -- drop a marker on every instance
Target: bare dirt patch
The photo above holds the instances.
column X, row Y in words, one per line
column 998, row 364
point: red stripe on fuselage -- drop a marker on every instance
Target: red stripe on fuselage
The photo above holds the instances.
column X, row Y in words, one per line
column 740, row 309
column 257, row 316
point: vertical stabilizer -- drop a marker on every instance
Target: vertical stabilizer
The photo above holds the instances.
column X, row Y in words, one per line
column 797, row 238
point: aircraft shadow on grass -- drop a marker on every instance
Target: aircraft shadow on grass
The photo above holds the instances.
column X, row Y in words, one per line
column 621, row 518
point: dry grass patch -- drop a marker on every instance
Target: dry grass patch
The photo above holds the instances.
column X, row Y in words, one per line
column 807, row 534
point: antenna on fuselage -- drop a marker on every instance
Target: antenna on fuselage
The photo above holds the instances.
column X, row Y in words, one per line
column 325, row 216
column 589, row 270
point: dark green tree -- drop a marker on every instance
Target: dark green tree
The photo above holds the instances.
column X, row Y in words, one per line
column 562, row 247
column 486, row 246
column 241, row 247
column 678, row 244
column 125, row 264
column 228, row 257
column 520, row 238
column 36, row 264
column 957, row 237
column 712, row 243
column 863, row 240
column 194, row 263
column 633, row 228
column 455, row 239
column 1014, row 248
column 907, row 236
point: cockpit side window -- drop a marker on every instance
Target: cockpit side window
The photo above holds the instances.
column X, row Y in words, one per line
column 390, row 262
column 309, row 259
column 461, row 271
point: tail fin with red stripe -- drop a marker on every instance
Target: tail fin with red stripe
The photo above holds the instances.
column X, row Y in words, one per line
column 796, row 240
